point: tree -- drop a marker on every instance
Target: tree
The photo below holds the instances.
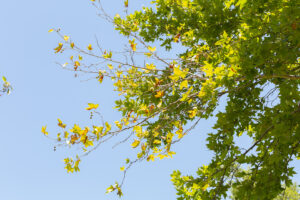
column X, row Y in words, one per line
column 244, row 52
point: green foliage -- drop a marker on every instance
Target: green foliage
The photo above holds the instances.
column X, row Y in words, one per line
column 243, row 51
column 290, row 193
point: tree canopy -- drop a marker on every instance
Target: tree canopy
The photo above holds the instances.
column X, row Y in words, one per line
column 242, row 52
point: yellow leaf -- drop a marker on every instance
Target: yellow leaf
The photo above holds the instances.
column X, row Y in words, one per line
column 169, row 137
column 110, row 66
column 58, row 48
column 152, row 49
column 133, row 47
column 72, row 45
column 132, row 44
column 185, row 96
column 151, row 66
column 60, row 124
column 240, row 134
column 118, row 124
column 135, row 143
column 58, row 137
column 185, row 4
column 156, row 150
column 192, row 113
column 157, row 142
column 76, row 64
column 44, row 130
column 183, row 84
column 100, row 77
column 66, row 134
column 66, row 38
column 138, row 130
column 162, row 156
column 122, row 168
column 179, row 133
column 144, row 147
column 119, row 192
column 176, row 38
column 159, row 94
column 51, row 30
column 107, row 55
column 241, row 3
column 88, row 143
column 119, row 73
column 178, row 74
column 79, row 57
column 195, row 186
column 4, row 78
column 148, row 54
column 171, row 153
column 75, row 129
column 150, row 157
column 92, row 106
column 205, row 187
column 201, row 93
column 90, row 47
column 108, row 127
column 250, row 128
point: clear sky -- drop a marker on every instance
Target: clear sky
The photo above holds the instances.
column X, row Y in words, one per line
column 43, row 92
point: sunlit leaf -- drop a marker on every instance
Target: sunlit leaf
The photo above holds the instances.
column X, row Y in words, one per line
column 126, row 3
column 58, row 48
column 184, row 84
column 44, row 130
column 135, row 143
column 92, row 106
column 159, row 94
column 66, row 38
column 152, row 49
column 89, row 47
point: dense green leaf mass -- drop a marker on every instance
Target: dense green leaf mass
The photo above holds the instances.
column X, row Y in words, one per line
column 259, row 42
column 289, row 193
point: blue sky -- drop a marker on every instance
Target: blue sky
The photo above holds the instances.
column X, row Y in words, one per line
column 43, row 92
